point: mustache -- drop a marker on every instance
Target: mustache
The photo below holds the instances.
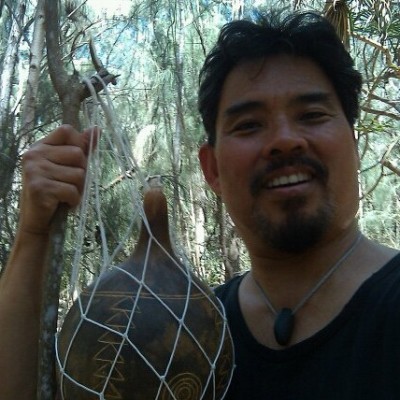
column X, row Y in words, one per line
column 318, row 170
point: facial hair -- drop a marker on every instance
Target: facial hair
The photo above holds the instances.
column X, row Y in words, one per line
column 298, row 231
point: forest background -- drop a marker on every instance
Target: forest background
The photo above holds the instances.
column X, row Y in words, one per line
column 150, row 51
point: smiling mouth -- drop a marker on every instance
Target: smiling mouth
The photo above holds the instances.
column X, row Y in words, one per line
column 289, row 180
column 285, row 172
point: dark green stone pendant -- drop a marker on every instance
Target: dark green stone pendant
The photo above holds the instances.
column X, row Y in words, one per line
column 283, row 327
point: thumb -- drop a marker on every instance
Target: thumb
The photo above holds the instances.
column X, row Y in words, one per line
column 91, row 137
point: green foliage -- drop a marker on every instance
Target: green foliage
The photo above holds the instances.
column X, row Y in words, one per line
column 157, row 51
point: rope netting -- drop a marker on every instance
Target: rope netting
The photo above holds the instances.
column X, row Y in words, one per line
column 141, row 326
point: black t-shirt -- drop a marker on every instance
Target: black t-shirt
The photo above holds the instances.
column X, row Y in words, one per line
column 355, row 357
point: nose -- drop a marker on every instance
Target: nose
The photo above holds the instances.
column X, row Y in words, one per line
column 283, row 139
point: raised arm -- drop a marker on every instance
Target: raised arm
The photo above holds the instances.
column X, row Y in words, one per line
column 53, row 172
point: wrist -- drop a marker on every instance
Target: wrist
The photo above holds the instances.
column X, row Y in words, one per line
column 27, row 258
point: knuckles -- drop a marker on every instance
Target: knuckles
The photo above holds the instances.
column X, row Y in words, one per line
column 77, row 156
column 47, row 182
column 54, row 172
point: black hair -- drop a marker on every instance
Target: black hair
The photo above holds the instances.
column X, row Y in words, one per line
column 303, row 34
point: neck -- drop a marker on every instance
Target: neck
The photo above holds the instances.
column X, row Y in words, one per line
column 286, row 277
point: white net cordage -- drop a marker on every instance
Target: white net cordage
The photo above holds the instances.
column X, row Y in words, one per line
column 145, row 328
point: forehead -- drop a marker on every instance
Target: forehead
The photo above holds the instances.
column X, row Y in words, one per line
column 278, row 77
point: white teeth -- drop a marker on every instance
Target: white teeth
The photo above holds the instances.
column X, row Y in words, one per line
column 289, row 180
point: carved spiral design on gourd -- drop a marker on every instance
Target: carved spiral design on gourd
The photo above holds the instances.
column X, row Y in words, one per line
column 185, row 386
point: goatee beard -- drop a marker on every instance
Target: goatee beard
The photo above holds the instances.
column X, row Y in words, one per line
column 298, row 232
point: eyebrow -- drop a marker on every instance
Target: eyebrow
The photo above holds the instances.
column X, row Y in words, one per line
column 305, row 98
column 241, row 107
column 312, row 97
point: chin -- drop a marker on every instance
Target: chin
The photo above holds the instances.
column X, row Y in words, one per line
column 297, row 232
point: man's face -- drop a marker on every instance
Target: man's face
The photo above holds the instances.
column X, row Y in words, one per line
column 284, row 162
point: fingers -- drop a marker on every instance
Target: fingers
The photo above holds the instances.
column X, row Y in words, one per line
column 53, row 177
column 66, row 135
column 54, row 171
column 91, row 137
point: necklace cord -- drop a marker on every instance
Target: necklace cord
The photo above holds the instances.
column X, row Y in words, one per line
column 324, row 278
column 284, row 320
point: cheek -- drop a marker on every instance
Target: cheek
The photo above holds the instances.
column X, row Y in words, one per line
column 339, row 150
column 238, row 153
column 345, row 177
column 235, row 166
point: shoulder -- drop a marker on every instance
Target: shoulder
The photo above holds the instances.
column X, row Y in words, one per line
column 229, row 288
column 391, row 269
column 379, row 296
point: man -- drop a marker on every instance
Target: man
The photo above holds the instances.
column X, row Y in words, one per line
column 317, row 316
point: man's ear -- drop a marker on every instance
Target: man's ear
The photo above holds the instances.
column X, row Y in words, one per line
column 208, row 164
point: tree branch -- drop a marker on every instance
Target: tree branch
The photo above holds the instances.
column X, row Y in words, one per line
column 383, row 49
column 381, row 112
column 71, row 92
column 58, row 74
column 392, row 167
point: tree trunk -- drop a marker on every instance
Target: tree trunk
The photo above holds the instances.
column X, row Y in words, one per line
column 8, row 141
column 237, row 9
column 179, row 116
column 9, row 64
column 36, row 55
column 221, row 218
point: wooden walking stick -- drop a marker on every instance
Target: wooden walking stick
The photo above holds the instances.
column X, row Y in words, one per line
column 71, row 93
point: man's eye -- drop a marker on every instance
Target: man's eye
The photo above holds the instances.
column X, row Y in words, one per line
column 246, row 127
column 314, row 116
